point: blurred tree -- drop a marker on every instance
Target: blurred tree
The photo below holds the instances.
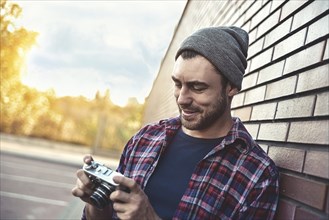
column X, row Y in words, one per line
column 26, row 111
column 14, row 44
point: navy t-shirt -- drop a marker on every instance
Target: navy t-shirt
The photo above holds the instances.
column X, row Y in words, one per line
column 169, row 181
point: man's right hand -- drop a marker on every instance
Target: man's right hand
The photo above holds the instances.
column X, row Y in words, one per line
column 84, row 186
column 84, row 189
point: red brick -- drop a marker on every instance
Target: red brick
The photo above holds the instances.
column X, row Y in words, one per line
column 305, row 214
column 326, row 52
column 261, row 59
column 327, row 203
column 281, row 88
column 268, row 23
column 242, row 113
column 263, row 111
column 297, row 107
column 290, row 44
column 304, row 58
column 318, row 29
column 261, row 14
column 250, row 80
column 252, row 34
column 277, row 33
column 255, row 47
column 246, row 5
column 255, row 95
column 238, row 100
column 230, row 15
column 248, row 66
column 273, row 131
column 285, row 210
column 313, row 79
column 312, row 132
column 276, row 4
column 309, row 12
column 320, row 108
column 306, row 191
column 291, row 159
column 252, row 129
column 316, row 163
column 290, row 7
column 271, row 72
column 253, row 9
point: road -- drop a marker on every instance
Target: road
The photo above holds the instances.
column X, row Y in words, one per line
column 35, row 189
column 37, row 177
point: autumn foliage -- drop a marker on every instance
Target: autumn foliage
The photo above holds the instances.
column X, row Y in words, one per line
column 97, row 123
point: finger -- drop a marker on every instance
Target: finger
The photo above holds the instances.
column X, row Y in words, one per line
column 78, row 191
column 87, row 159
column 126, row 182
column 120, row 196
column 80, row 194
column 119, row 207
column 87, row 189
column 83, row 177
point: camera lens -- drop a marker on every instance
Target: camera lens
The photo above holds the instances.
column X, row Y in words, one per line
column 100, row 197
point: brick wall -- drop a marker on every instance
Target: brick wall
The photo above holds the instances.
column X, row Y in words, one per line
column 284, row 101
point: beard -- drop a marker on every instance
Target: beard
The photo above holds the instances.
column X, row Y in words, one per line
column 205, row 117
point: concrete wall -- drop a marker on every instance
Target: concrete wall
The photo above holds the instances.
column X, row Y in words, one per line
column 285, row 92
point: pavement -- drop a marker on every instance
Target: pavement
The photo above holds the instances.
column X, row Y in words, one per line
column 51, row 151
column 55, row 152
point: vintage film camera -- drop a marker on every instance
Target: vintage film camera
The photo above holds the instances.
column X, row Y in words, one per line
column 102, row 177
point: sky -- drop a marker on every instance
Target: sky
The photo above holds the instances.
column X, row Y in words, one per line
column 89, row 46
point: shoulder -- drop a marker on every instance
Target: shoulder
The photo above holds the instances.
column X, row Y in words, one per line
column 255, row 157
column 158, row 128
column 154, row 133
column 265, row 162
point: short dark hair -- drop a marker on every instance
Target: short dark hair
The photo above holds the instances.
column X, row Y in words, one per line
column 189, row 54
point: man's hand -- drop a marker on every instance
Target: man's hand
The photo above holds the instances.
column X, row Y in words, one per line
column 132, row 205
column 84, row 189
column 84, row 185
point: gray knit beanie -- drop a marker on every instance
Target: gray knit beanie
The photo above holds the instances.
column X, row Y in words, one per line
column 225, row 47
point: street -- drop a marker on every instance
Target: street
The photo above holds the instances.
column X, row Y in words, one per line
column 37, row 177
column 35, row 189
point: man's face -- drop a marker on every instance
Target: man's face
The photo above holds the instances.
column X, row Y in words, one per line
column 201, row 99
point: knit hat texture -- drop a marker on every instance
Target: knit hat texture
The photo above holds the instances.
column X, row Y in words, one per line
column 225, row 47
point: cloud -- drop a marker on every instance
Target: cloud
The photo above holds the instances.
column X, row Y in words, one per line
column 85, row 46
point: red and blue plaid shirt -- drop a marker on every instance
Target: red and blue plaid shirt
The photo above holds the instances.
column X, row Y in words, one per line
column 236, row 180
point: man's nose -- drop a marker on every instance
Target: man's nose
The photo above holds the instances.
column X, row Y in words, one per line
column 184, row 96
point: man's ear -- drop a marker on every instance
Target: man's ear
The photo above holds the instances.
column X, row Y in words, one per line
column 232, row 90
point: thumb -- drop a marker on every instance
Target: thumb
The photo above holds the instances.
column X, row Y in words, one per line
column 87, row 159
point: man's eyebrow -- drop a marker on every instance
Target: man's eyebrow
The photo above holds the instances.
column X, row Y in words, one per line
column 189, row 82
column 196, row 82
column 175, row 79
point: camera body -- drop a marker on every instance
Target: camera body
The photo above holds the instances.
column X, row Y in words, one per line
column 102, row 177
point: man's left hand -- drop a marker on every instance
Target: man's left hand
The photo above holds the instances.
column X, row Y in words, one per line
column 132, row 205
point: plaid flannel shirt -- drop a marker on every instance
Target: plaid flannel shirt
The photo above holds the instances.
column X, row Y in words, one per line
column 236, row 180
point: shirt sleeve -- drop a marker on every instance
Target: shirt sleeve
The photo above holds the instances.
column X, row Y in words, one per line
column 83, row 217
column 261, row 202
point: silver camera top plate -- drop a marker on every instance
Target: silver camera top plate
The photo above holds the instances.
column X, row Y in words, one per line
column 101, row 172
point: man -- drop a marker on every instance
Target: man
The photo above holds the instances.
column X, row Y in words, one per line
column 203, row 164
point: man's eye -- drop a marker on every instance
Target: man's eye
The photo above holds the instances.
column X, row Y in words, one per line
column 198, row 88
column 178, row 85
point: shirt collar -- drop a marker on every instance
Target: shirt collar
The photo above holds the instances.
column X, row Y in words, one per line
column 238, row 135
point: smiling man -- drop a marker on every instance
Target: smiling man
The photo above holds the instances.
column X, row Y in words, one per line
column 203, row 164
